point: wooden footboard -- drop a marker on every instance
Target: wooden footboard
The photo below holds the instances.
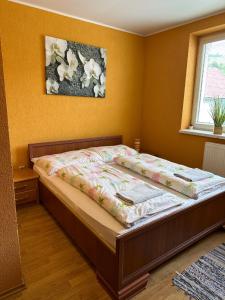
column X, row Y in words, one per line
column 125, row 272
column 145, row 248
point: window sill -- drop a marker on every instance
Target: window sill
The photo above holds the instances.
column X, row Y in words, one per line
column 203, row 133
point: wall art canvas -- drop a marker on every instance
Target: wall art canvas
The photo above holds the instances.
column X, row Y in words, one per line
column 74, row 69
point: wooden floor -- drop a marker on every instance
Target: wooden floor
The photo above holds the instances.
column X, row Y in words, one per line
column 55, row 270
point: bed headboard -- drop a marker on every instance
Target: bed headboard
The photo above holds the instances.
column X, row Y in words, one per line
column 48, row 148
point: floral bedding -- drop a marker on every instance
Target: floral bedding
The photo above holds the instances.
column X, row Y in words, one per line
column 52, row 163
column 101, row 182
column 108, row 153
column 162, row 171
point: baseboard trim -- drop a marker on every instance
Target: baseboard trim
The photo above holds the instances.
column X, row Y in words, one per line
column 12, row 291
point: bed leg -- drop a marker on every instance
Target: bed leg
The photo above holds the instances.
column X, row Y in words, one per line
column 129, row 290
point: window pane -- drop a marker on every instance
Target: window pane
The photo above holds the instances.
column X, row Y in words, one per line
column 213, row 78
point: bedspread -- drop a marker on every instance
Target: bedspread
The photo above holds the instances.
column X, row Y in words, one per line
column 101, row 182
column 162, row 171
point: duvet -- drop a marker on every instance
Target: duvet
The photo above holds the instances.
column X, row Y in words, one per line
column 101, row 182
column 162, row 171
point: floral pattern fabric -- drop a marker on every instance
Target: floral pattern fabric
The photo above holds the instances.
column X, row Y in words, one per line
column 101, row 182
column 162, row 171
column 52, row 163
column 108, row 153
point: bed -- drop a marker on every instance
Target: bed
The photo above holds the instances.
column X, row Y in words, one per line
column 122, row 257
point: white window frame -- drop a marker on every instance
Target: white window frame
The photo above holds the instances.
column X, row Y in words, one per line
column 199, row 79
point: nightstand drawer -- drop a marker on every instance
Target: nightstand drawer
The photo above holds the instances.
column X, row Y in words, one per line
column 25, row 185
column 25, row 197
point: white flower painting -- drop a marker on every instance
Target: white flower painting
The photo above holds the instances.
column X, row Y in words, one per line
column 67, row 71
column 54, row 47
column 75, row 69
column 52, row 86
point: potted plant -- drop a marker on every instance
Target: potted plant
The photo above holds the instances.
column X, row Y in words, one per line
column 217, row 113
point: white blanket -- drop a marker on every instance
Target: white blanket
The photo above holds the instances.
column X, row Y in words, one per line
column 139, row 193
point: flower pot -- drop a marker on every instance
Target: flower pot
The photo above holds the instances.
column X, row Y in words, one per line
column 218, row 130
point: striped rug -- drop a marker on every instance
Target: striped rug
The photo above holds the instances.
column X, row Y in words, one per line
column 205, row 278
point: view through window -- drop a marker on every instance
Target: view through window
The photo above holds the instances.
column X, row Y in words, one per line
column 211, row 76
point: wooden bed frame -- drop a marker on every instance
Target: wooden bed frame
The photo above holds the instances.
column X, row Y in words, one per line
column 125, row 272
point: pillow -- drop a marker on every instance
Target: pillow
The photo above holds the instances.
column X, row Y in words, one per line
column 108, row 153
column 52, row 163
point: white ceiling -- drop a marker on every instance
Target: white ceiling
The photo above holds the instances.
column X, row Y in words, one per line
column 142, row 17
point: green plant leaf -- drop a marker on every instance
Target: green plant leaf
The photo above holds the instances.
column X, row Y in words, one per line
column 217, row 112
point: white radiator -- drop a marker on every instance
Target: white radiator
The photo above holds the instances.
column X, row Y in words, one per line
column 214, row 158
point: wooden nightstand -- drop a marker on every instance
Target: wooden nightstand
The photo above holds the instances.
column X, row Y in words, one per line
column 25, row 186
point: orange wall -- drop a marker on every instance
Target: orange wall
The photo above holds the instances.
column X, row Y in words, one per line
column 34, row 116
column 165, row 70
column 144, row 93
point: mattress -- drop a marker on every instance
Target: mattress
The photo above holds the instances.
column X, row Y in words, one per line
column 100, row 222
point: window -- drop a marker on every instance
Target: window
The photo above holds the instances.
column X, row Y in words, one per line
column 210, row 79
